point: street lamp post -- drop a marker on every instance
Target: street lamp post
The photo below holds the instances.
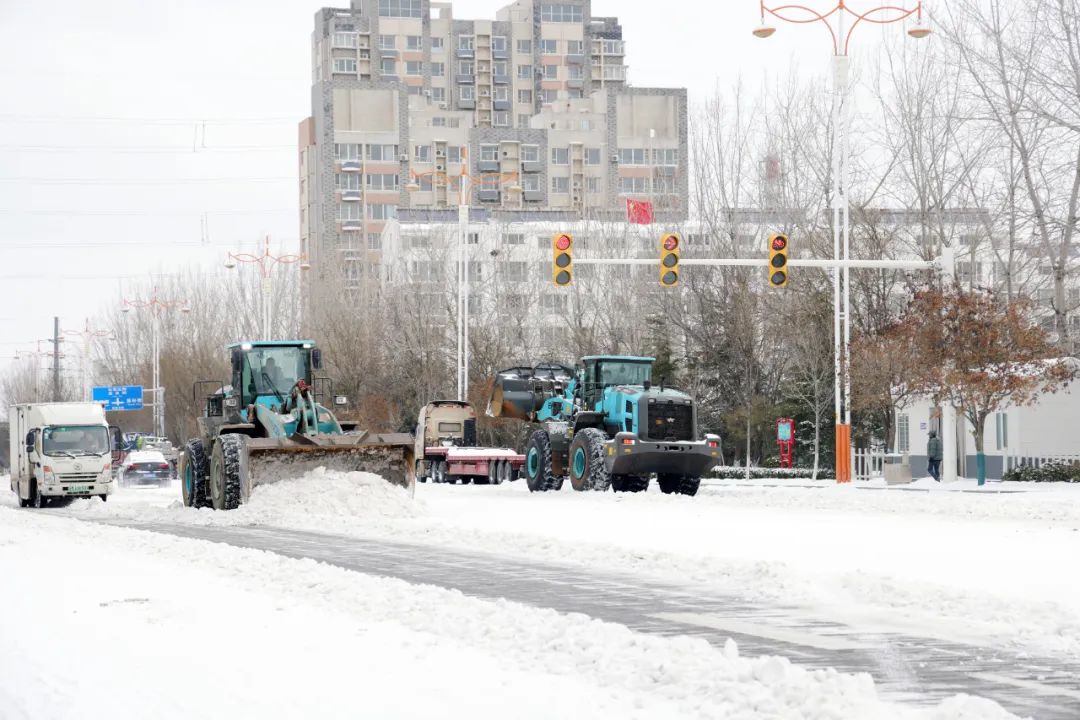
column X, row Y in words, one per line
column 266, row 262
column 156, row 305
column 87, row 334
column 836, row 19
column 464, row 192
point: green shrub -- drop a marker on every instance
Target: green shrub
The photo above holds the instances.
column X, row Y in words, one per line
column 1053, row 471
column 735, row 472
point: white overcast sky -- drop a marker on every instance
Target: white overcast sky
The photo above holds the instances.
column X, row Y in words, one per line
column 100, row 186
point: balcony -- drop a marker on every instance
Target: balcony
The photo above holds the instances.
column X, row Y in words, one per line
column 575, row 59
column 350, row 165
column 388, row 52
column 350, row 195
column 575, row 83
column 487, row 165
column 502, row 54
column 488, row 195
column 465, row 79
column 501, row 79
column 531, row 166
column 352, row 225
column 501, row 104
column 533, row 195
column 465, row 53
column 464, row 104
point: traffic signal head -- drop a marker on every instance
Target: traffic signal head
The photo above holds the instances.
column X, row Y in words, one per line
column 669, row 260
column 778, row 250
column 562, row 259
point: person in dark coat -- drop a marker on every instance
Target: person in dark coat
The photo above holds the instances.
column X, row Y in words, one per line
column 933, row 455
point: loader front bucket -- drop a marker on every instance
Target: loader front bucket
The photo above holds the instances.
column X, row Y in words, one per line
column 271, row 459
column 520, row 392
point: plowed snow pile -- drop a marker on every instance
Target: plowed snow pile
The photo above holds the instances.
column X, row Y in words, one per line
column 327, row 500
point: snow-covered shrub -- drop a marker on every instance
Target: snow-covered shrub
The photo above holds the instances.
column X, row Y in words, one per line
column 738, row 472
column 1047, row 472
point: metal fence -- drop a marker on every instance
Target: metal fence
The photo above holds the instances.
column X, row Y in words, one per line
column 1015, row 461
column 869, row 464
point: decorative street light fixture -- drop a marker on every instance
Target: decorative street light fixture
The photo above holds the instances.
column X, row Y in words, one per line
column 513, row 186
column 836, row 20
column 156, row 305
column 266, row 262
column 87, row 336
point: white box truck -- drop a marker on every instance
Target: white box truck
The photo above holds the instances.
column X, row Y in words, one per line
column 59, row 450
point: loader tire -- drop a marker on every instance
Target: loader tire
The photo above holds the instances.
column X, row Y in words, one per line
column 538, row 472
column 226, row 482
column 588, row 470
column 193, row 471
column 681, row 484
column 629, row 483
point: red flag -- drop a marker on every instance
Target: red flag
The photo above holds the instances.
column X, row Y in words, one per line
column 639, row 212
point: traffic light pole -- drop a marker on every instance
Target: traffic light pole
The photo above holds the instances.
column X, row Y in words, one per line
column 935, row 264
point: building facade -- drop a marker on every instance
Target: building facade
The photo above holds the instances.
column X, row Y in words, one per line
column 525, row 117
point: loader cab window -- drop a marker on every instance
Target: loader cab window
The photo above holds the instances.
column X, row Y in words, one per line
column 605, row 373
column 75, row 440
column 266, row 369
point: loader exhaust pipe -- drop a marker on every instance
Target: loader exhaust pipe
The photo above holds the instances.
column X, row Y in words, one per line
column 520, row 392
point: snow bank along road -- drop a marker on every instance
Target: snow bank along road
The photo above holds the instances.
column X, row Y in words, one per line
column 712, row 567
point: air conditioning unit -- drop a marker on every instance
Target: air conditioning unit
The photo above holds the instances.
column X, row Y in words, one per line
column 442, row 106
column 440, row 167
column 427, row 93
column 403, row 157
column 440, row 153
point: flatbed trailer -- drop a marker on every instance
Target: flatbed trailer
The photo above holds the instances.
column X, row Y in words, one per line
column 479, row 464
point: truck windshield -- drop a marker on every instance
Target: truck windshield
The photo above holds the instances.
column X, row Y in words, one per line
column 624, row 373
column 75, row 440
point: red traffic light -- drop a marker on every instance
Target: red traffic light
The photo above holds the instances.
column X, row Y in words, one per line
column 779, row 242
column 671, row 242
column 562, row 242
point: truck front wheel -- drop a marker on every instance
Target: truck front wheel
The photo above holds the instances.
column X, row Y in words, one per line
column 37, row 500
column 539, row 474
column 588, row 470
column 682, row 484
column 225, row 480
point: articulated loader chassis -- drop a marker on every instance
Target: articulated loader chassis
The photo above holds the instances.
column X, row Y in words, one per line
column 268, row 425
column 605, row 425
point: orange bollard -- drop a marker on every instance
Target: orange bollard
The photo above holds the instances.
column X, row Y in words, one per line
column 843, row 453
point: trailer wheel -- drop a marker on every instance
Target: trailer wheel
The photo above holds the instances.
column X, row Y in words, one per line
column 193, row 469
column 440, row 471
column 681, row 484
column 494, row 470
column 538, row 472
column 588, row 470
column 510, row 473
column 629, row 483
column 225, row 479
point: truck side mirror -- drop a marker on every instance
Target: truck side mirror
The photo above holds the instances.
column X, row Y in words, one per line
column 316, row 359
column 30, row 441
column 237, row 360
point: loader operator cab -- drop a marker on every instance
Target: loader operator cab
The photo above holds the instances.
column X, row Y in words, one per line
column 267, row 371
column 601, row 371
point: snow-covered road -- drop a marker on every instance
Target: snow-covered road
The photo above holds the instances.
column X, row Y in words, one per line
column 882, row 561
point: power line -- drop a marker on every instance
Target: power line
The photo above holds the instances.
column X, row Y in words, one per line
column 149, row 149
column 148, row 213
column 148, row 120
column 141, row 181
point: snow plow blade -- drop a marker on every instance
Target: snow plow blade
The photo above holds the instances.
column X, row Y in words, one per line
column 389, row 455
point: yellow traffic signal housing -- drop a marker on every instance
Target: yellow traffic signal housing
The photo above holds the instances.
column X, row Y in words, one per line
column 778, row 250
column 562, row 259
column 669, row 260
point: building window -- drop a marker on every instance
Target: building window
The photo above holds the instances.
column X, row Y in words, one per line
column 453, row 153
column 414, row 42
column 575, row 47
column 575, row 72
column 489, row 153
column 559, row 12
column 344, row 65
column 466, row 92
column 524, row 72
column 560, row 185
column 387, row 42
column 344, row 39
column 1001, row 425
column 631, row 156
column 347, row 181
column 388, row 66
column 530, row 153
column 384, row 153
column 438, row 94
column 633, row 185
column 414, row 67
column 514, row 239
column 438, row 121
column 416, row 90
column 422, row 153
column 549, row 47
column 465, row 42
column 592, row 185
column 378, row 211
column 515, row 271
column 498, row 68
column 374, row 241
column 530, row 183
column 903, row 433
column 560, row 156
column 664, row 185
column 382, row 181
column 524, row 120
column 549, row 96
column 666, row 156
column 551, row 72
column 500, row 118
column 524, row 47
column 500, row 92
column 553, row 303
column 349, row 211
column 347, row 151
column 465, row 67
column 524, row 96
column 438, row 69
column 498, row 42
column 592, row 156
column 436, row 43
column 611, row 47
column 400, row 8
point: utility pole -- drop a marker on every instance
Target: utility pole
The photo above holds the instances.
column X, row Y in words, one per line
column 56, row 360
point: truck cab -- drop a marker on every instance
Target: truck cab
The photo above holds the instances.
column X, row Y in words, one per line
column 60, row 450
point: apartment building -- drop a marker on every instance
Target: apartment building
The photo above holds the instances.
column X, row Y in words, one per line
column 524, row 117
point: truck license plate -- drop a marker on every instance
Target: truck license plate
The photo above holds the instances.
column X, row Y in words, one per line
column 78, row 488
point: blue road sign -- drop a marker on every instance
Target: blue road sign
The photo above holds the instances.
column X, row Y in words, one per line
column 119, row 397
